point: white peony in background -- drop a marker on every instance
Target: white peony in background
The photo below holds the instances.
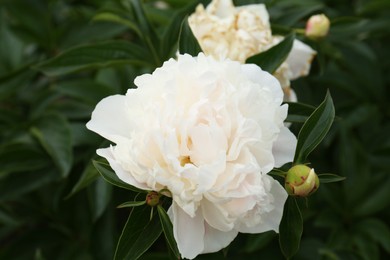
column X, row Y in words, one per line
column 209, row 131
column 237, row 33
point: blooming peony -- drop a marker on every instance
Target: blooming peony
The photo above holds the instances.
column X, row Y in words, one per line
column 237, row 33
column 209, row 131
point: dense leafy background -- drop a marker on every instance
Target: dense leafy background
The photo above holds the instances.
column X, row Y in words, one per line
column 58, row 58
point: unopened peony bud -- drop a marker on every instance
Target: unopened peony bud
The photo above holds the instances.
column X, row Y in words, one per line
column 301, row 181
column 317, row 26
column 153, row 198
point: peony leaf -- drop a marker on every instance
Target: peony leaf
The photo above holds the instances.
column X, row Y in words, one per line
column 110, row 176
column 94, row 56
column 111, row 17
column 171, row 33
column 298, row 112
column 130, row 204
column 89, row 175
column 291, row 228
column 54, row 135
column 187, row 41
column 377, row 230
column 329, row 177
column 271, row 59
column 138, row 234
column 149, row 36
column 168, row 230
column 314, row 129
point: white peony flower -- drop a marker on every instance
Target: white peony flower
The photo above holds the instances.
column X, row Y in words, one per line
column 237, row 33
column 208, row 131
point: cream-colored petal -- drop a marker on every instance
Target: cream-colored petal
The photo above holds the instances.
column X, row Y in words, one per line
column 300, row 58
column 284, row 147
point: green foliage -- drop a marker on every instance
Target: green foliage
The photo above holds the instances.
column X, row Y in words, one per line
column 271, row 59
column 59, row 58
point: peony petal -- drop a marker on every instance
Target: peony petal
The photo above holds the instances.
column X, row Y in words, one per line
column 270, row 220
column 216, row 216
column 284, row 147
column 299, row 60
column 110, row 119
column 259, row 9
column 264, row 79
column 188, row 232
column 215, row 240
column 122, row 174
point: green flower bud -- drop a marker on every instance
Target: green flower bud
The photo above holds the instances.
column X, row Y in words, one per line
column 317, row 26
column 153, row 198
column 301, row 181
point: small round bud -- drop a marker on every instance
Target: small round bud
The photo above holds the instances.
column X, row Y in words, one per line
column 153, row 198
column 317, row 26
column 301, row 181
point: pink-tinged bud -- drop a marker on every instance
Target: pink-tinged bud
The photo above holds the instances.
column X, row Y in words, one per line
column 301, row 181
column 153, row 198
column 317, row 26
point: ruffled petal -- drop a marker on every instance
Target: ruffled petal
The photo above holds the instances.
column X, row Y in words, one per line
column 264, row 79
column 122, row 174
column 110, row 119
column 215, row 240
column 299, row 60
column 270, row 220
column 284, row 147
column 188, row 232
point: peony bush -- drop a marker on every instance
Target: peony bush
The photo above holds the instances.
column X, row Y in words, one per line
column 175, row 129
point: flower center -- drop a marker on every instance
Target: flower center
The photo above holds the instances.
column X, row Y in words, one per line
column 184, row 160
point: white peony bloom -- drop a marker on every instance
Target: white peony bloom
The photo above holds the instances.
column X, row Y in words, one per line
column 208, row 131
column 237, row 33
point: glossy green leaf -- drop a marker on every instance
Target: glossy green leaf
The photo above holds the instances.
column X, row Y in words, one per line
column 314, row 129
column 100, row 194
column 94, row 56
column 53, row 133
column 298, row 112
column 130, row 204
column 168, row 230
column 291, row 228
column 271, row 59
column 377, row 230
column 149, row 35
column 110, row 176
column 89, row 175
column 187, row 41
column 329, row 178
column 111, row 17
column 171, row 34
column 138, row 234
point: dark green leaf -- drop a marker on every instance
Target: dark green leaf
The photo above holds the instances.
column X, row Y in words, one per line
column 298, row 112
column 99, row 197
column 187, row 41
column 130, row 204
column 171, row 34
column 138, row 234
column 329, row 177
column 111, row 17
column 315, row 129
column 89, row 174
column 53, row 133
column 14, row 81
column 94, row 56
column 168, row 230
column 149, row 35
column 271, row 59
column 377, row 230
column 291, row 228
column 111, row 177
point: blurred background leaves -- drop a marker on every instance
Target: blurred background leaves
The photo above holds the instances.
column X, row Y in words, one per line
column 58, row 58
